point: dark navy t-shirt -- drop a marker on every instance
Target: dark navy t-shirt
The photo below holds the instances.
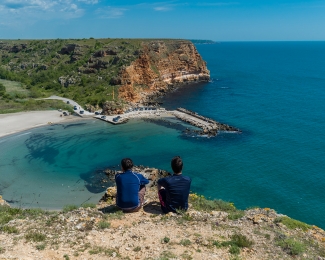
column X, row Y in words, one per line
column 177, row 191
column 128, row 186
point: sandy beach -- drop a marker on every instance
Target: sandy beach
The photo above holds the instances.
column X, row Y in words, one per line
column 16, row 122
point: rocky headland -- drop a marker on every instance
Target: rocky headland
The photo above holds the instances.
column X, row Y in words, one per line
column 107, row 74
column 210, row 229
column 161, row 65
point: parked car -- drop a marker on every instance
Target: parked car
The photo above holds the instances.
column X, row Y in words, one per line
column 115, row 119
column 81, row 111
column 103, row 117
column 75, row 108
column 68, row 102
column 97, row 113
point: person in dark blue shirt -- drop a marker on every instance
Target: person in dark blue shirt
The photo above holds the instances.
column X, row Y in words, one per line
column 130, row 188
column 173, row 191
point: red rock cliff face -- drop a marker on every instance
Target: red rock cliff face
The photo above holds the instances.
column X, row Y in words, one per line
column 161, row 64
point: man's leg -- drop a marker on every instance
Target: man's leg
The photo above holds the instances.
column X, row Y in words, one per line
column 132, row 210
column 162, row 199
column 141, row 194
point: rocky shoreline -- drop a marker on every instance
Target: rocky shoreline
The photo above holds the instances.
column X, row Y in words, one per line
column 209, row 126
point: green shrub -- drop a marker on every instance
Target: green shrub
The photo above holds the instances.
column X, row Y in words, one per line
column 7, row 214
column 9, row 230
column 217, row 244
column 241, row 240
column 165, row 240
column 200, row 203
column 185, row 216
column 2, row 89
column 292, row 223
column 233, row 215
column 118, row 214
column 88, row 205
column 103, row 224
column 234, row 250
column 41, row 246
column 35, row 237
column 68, row 208
column 291, row 246
column 165, row 255
column 34, row 212
column 185, row 242
column 4, row 219
column 103, row 250
column 237, row 241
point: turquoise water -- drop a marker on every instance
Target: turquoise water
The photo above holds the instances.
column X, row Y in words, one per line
column 273, row 91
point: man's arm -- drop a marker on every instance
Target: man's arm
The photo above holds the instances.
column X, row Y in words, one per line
column 160, row 184
column 143, row 180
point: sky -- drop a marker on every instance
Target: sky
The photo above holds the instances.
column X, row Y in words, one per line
column 224, row 20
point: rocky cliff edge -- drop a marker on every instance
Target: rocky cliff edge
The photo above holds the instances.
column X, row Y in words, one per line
column 210, row 229
column 161, row 65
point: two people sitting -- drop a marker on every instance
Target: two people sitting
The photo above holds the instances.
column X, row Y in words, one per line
column 173, row 191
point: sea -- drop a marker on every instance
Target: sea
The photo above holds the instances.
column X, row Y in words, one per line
column 274, row 92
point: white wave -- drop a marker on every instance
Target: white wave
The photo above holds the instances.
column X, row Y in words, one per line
column 228, row 132
column 23, row 134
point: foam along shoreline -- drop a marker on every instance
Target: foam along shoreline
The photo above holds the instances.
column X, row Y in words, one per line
column 18, row 122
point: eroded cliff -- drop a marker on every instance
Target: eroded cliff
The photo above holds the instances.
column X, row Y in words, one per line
column 160, row 65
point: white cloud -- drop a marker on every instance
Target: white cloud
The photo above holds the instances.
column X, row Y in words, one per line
column 162, row 8
column 218, row 4
column 92, row 2
column 24, row 13
column 111, row 12
column 23, row 4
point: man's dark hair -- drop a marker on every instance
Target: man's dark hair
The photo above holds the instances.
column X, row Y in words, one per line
column 177, row 164
column 127, row 164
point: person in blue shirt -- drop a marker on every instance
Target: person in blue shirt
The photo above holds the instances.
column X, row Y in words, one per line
column 130, row 188
column 173, row 191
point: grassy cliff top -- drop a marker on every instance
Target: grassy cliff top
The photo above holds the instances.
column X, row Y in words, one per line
column 209, row 229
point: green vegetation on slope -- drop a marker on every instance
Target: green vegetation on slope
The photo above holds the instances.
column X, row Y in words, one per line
column 14, row 97
column 84, row 70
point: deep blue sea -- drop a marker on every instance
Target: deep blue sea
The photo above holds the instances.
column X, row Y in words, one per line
column 273, row 91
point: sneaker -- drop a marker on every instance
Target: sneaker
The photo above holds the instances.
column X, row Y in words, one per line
column 145, row 203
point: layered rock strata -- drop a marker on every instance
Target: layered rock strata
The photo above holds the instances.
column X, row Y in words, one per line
column 160, row 65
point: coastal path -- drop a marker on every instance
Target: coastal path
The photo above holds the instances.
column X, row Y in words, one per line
column 79, row 110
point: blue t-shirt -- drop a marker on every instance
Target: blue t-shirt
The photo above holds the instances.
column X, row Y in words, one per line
column 128, row 186
column 177, row 191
